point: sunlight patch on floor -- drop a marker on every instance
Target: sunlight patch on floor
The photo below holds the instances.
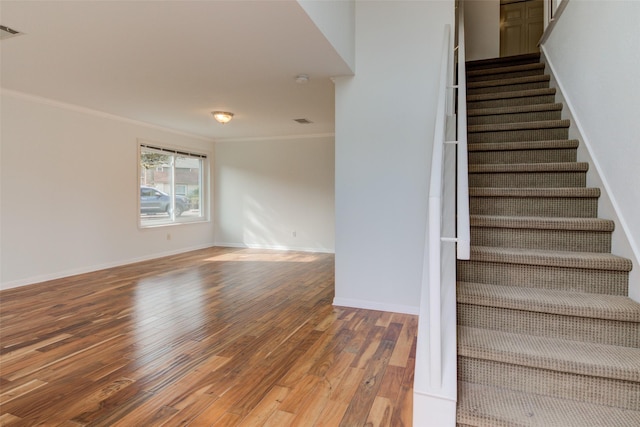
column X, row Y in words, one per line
column 264, row 257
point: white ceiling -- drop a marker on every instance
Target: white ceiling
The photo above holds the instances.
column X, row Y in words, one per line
column 170, row 63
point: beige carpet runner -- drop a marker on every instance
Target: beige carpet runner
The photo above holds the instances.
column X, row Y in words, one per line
column 546, row 333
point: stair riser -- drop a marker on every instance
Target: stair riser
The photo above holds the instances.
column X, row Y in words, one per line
column 500, row 63
column 511, row 102
column 508, row 75
column 518, row 135
column 514, row 118
column 579, row 207
column 523, row 156
column 555, row 240
column 542, row 277
column 600, row 331
column 596, row 390
column 508, row 88
column 528, row 179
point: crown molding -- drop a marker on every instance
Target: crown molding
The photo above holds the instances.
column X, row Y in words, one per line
column 96, row 113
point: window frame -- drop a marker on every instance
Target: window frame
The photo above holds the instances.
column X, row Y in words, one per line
column 204, row 174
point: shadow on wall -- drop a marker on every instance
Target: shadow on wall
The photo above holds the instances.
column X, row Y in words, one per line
column 276, row 194
column 267, row 228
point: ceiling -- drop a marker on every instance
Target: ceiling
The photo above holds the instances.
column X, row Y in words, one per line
column 170, row 63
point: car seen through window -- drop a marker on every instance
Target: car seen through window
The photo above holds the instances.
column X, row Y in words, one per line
column 153, row 201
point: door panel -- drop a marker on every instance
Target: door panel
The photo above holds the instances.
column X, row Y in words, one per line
column 521, row 26
column 512, row 37
column 534, row 32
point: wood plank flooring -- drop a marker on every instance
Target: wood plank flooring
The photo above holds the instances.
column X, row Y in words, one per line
column 215, row 337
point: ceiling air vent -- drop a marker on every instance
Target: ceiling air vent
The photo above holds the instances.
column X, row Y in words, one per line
column 303, row 121
column 6, row 32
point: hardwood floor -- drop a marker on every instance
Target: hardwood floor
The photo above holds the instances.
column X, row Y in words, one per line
column 224, row 337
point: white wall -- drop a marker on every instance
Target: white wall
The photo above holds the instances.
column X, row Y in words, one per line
column 482, row 28
column 70, row 192
column 384, row 134
column 336, row 20
column 593, row 49
column 267, row 190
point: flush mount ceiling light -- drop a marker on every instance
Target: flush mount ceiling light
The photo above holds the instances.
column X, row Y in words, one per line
column 6, row 32
column 222, row 116
column 302, row 79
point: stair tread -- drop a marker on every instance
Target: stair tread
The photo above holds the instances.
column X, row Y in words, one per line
column 542, row 223
column 514, row 109
column 511, row 94
column 508, row 81
column 568, row 259
column 540, row 124
column 508, row 69
column 568, row 303
column 523, row 145
column 529, row 167
column 484, row 405
column 574, row 192
column 577, row 357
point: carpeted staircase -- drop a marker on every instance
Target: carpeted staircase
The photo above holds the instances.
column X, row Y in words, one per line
column 546, row 333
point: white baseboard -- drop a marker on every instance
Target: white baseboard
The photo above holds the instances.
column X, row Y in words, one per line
column 433, row 410
column 375, row 305
column 622, row 243
column 274, row 247
column 89, row 269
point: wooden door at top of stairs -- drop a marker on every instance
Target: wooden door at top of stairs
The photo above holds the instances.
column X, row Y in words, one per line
column 521, row 26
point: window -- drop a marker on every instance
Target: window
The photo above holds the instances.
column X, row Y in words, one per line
column 171, row 186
